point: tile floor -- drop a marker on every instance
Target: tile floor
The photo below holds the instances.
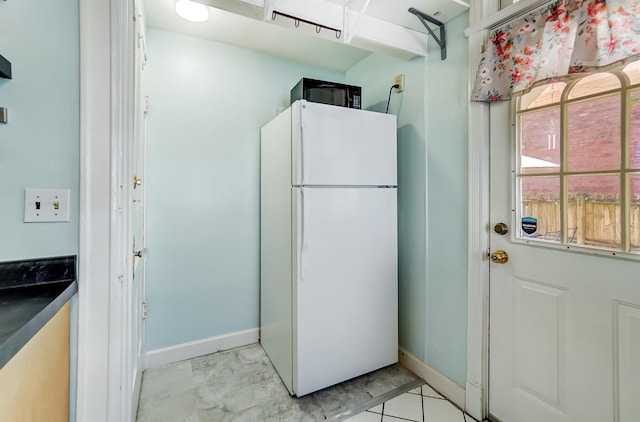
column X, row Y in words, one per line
column 421, row 404
column 241, row 385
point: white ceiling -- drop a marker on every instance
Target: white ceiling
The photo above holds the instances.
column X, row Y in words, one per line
column 301, row 44
column 230, row 28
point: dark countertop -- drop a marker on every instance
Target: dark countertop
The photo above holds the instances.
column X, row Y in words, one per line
column 31, row 293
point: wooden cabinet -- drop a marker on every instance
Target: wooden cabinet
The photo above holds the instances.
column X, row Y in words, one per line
column 34, row 384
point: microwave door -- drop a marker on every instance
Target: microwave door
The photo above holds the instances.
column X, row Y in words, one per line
column 325, row 95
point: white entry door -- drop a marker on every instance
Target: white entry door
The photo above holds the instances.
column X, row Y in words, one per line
column 564, row 323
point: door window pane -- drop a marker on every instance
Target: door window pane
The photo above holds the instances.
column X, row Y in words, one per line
column 540, row 142
column 575, row 149
column 633, row 71
column 634, row 212
column 593, row 210
column 594, row 134
column 634, row 153
column 540, row 207
column 542, row 95
column 599, row 82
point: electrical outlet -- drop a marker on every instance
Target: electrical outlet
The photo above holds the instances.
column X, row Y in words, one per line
column 46, row 205
column 400, row 82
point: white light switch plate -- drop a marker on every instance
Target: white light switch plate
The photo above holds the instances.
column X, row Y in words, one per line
column 46, row 205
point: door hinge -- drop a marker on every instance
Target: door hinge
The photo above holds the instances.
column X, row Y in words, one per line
column 145, row 310
column 146, row 104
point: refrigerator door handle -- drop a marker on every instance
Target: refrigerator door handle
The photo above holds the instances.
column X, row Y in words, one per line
column 301, row 269
column 301, row 155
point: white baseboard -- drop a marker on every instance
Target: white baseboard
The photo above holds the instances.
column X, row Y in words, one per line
column 443, row 385
column 202, row 347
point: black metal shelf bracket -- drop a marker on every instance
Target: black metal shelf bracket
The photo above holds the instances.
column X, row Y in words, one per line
column 441, row 40
column 5, row 68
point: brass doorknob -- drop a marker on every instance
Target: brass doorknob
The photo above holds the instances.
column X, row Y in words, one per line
column 501, row 229
column 499, row 257
column 136, row 181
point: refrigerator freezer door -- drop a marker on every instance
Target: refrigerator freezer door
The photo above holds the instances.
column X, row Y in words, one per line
column 342, row 146
column 346, row 312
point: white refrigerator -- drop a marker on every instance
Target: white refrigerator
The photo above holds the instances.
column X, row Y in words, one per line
column 328, row 295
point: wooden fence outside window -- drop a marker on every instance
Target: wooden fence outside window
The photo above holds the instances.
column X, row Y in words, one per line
column 590, row 221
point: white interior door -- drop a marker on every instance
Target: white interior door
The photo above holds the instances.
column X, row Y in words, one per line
column 564, row 326
column 346, row 307
column 138, row 211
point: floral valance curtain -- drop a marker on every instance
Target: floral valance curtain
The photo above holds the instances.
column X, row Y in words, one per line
column 562, row 38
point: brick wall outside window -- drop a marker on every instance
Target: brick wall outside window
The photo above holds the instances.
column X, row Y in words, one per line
column 594, row 144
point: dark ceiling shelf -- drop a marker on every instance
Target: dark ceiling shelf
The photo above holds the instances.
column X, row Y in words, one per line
column 5, row 68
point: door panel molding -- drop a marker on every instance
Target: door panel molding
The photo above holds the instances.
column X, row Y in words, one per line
column 544, row 382
column 626, row 361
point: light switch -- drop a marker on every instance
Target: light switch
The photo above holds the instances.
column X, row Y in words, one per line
column 46, row 205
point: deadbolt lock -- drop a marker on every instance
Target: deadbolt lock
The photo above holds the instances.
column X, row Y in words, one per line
column 501, row 229
column 499, row 257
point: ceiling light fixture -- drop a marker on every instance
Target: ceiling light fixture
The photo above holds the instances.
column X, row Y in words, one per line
column 192, row 11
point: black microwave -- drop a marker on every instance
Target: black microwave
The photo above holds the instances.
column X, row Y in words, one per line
column 325, row 92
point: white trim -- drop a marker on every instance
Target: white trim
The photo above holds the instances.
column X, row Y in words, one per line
column 477, row 385
column 477, row 264
column 135, row 400
column 443, row 385
column 474, row 397
column 202, row 347
column 105, row 127
column 94, row 263
column 505, row 15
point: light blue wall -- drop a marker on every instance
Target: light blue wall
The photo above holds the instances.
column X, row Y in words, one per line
column 432, row 195
column 39, row 147
column 207, row 104
column 376, row 75
column 203, row 187
column 447, row 107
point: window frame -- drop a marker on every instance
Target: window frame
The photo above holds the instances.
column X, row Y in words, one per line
column 624, row 170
